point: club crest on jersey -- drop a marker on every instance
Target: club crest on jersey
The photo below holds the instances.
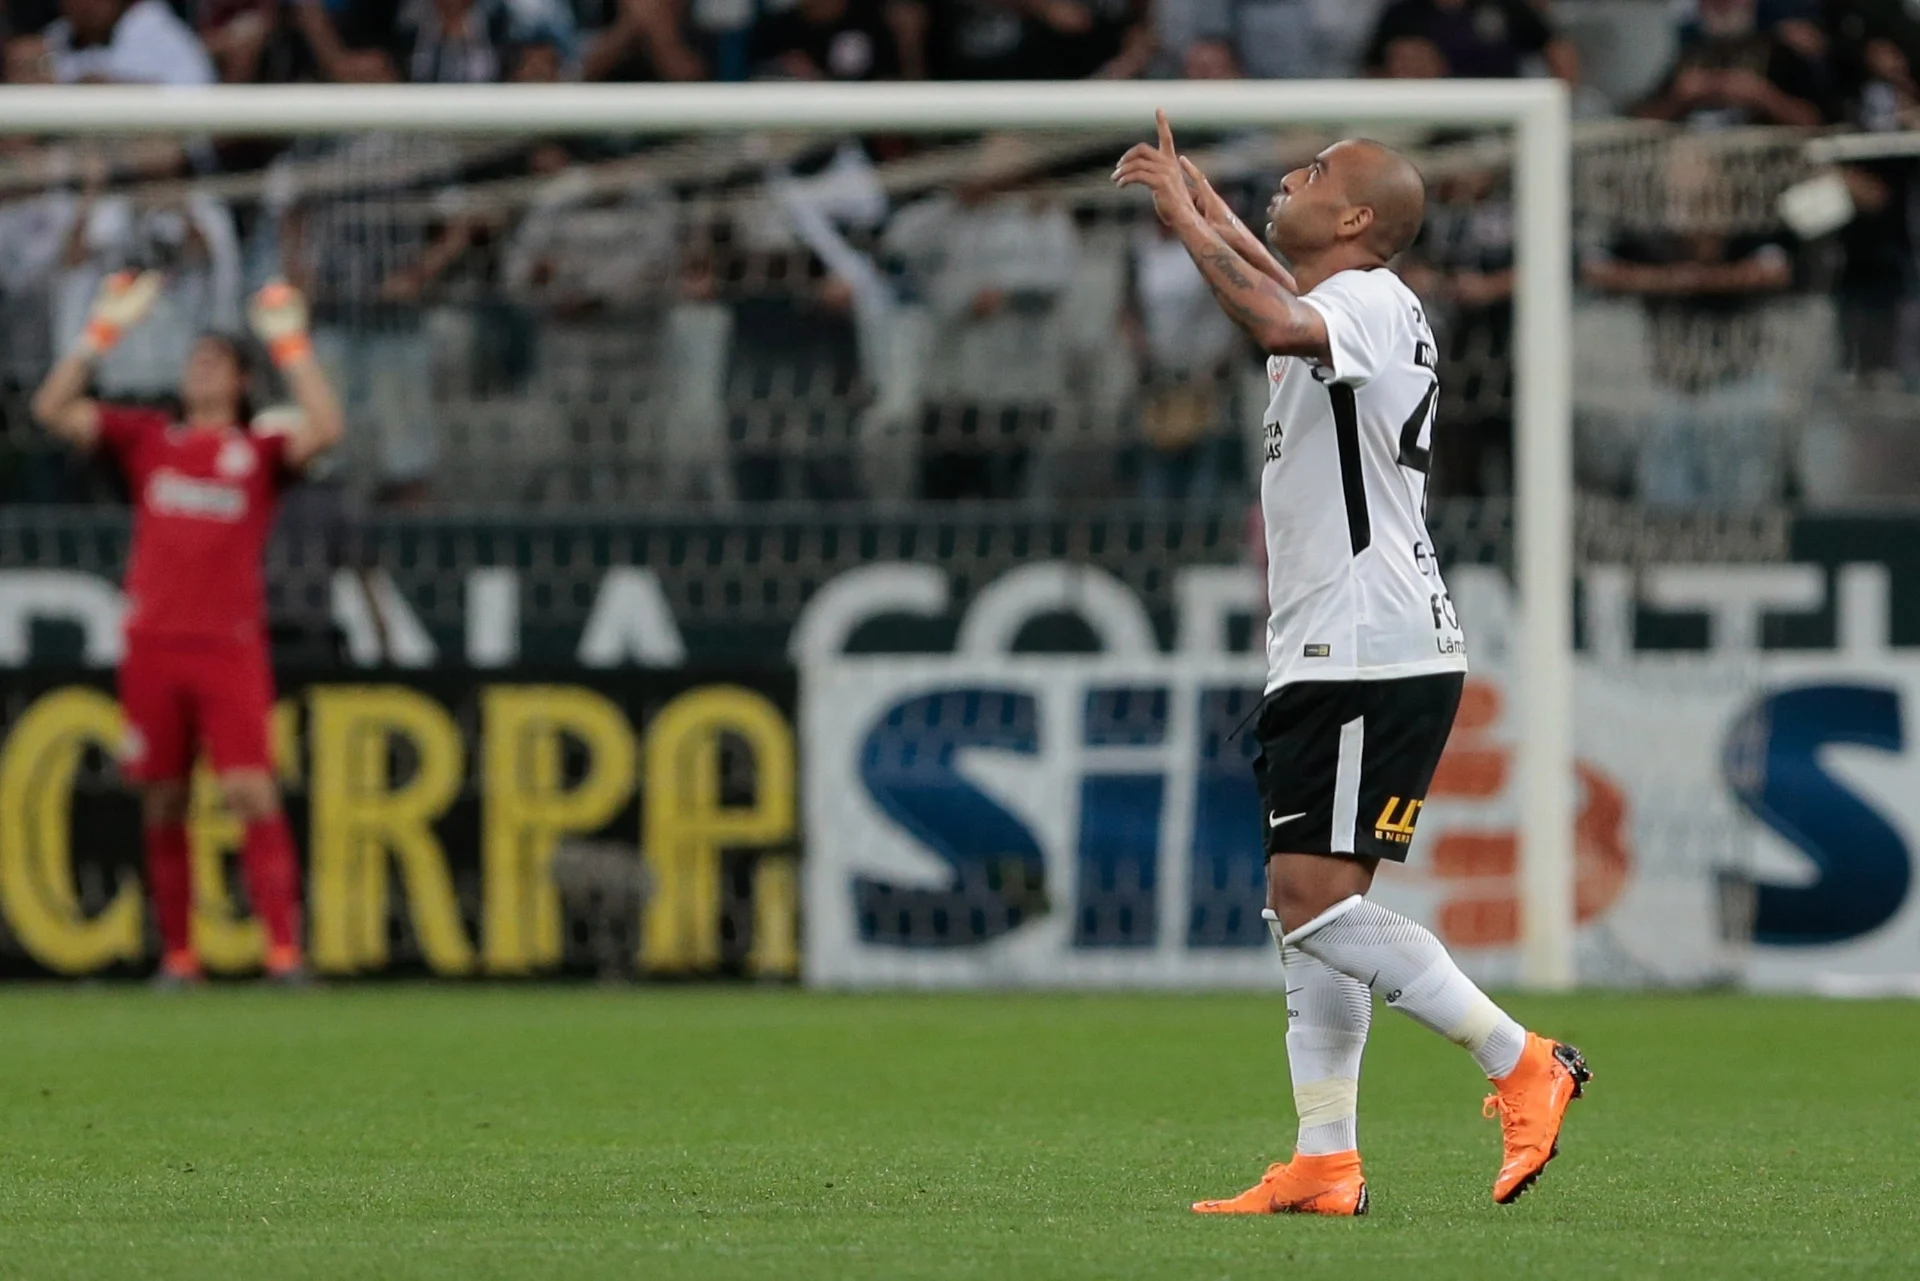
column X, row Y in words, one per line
column 235, row 459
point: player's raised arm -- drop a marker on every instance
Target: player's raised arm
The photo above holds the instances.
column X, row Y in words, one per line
column 1221, row 217
column 61, row 404
column 278, row 314
column 1271, row 313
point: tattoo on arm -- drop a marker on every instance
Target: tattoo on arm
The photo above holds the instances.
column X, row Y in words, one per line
column 1251, row 298
column 1228, row 263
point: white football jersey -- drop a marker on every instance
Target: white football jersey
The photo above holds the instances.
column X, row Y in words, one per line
column 1352, row 585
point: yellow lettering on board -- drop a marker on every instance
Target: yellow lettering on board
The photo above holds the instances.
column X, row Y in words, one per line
column 529, row 808
column 687, row 827
column 361, row 818
column 37, row 894
column 775, row 951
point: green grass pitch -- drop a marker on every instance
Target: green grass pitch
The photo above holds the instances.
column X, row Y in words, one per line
column 414, row 1132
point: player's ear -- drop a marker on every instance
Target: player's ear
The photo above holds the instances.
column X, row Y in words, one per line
column 1356, row 220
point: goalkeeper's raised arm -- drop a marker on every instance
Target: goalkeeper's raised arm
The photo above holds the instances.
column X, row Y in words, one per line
column 61, row 404
column 278, row 314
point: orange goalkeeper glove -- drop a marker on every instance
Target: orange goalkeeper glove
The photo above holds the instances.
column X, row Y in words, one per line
column 123, row 300
column 278, row 315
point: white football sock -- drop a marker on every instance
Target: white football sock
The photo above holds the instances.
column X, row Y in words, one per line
column 1328, row 1015
column 1406, row 964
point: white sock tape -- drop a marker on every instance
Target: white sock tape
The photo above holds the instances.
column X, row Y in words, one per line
column 1320, row 1102
column 1476, row 1025
column 1275, row 928
column 1325, row 918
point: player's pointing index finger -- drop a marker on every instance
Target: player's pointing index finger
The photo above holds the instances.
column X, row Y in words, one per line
column 1166, row 130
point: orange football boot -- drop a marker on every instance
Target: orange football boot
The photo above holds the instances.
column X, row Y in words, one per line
column 1305, row 1185
column 1531, row 1101
column 286, row 966
column 177, row 970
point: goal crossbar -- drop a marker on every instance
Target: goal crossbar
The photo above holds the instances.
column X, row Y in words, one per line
column 1536, row 111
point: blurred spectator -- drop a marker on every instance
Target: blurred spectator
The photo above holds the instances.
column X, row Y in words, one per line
column 978, row 40
column 369, row 249
column 333, row 29
column 993, row 264
column 1731, row 70
column 1098, row 39
column 193, row 242
column 435, row 41
column 137, row 42
column 1184, row 345
column 1027, row 39
column 795, row 325
column 337, row 32
column 637, row 40
column 33, row 239
column 1863, row 42
column 1274, row 39
column 538, row 62
column 1467, row 39
column 1210, row 59
column 474, row 41
column 1878, row 287
column 892, row 333
column 585, row 247
column 249, row 40
column 1462, row 268
column 1716, row 436
column 844, row 40
column 1880, row 93
column 28, row 62
column 1176, row 26
column 1040, row 39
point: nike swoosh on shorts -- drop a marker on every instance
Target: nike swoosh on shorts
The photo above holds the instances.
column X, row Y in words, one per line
column 1278, row 820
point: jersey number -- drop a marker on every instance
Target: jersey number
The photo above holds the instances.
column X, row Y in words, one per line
column 1420, row 424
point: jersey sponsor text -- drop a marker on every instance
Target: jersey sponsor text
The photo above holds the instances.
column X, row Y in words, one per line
column 176, row 495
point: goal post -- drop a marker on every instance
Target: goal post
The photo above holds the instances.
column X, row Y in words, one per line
column 1536, row 111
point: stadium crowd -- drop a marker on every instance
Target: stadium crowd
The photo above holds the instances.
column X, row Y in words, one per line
column 527, row 298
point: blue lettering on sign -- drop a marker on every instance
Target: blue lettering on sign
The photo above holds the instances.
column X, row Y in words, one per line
column 908, row 764
column 1772, row 764
column 1118, row 853
column 1229, row 880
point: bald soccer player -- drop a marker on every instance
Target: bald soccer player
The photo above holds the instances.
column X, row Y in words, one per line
column 1365, row 658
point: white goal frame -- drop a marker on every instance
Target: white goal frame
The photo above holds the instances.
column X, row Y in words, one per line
column 1536, row 111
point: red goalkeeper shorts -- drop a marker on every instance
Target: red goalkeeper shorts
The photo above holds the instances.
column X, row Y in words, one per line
column 181, row 697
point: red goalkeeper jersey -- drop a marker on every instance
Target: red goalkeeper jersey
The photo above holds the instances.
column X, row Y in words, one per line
column 204, row 503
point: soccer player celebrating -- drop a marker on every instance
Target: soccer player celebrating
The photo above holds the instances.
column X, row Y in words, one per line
column 1365, row 658
column 195, row 674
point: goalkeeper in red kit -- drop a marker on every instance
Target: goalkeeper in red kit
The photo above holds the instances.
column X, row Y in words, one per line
column 196, row 677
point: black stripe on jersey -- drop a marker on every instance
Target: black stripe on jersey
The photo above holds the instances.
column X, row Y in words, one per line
column 1411, row 454
column 1353, row 481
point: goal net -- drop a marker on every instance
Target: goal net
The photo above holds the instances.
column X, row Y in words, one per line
column 899, row 385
